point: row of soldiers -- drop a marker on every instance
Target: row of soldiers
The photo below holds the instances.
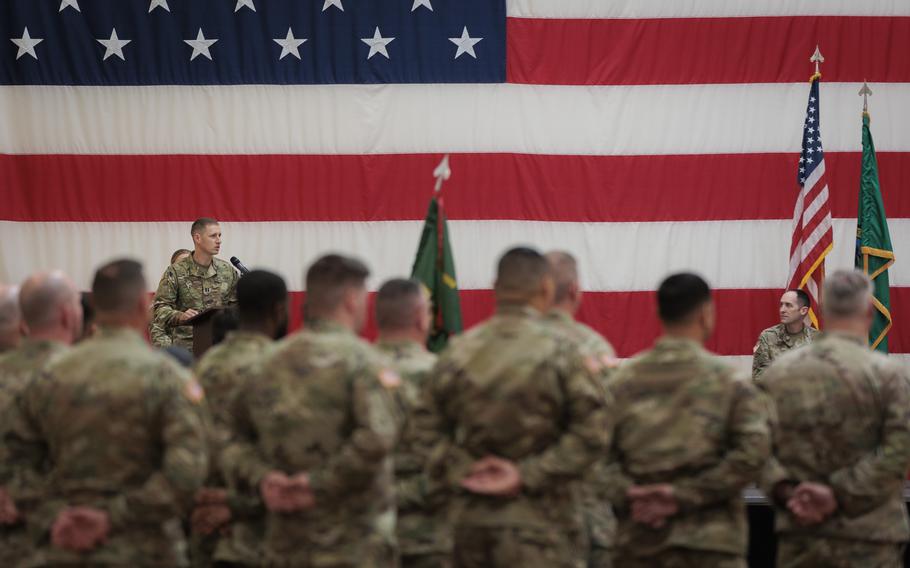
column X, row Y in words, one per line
column 524, row 443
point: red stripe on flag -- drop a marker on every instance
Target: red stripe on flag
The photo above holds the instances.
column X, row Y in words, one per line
column 705, row 50
column 627, row 318
column 385, row 187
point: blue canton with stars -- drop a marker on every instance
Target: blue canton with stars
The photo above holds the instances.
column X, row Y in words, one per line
column 231, row 42
column 813, row 153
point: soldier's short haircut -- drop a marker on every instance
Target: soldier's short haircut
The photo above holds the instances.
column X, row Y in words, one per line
column 9, row 308
column 328, row 278
column 680, row 295
column 41, row 296
column 180, row 252
column 118, row 285
column 846, row 293
column 200, row 224
column 396, row 302
column 224, row 322
column 258, row 292
column 564, row 269
column 520, row 271
column 802, row 298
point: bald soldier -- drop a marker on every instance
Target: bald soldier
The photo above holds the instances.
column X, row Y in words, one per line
column 192, row 285
column 404, row 319
column 112, row 436
column 315, row 434
column 10, row 318
column 228, row 522
column 599, row 519
column 841, row 441
column 52, row 311
column 690, row 435
column 514, row 417
column 790, row 333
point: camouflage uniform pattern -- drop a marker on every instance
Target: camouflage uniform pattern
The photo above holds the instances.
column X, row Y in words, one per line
column 323, row 407
column 424, row 538
column 843, row 419
column 186, row 285
column 115, row 426
column 599, row 518
column 17, row 369
column 223, row 372
column 774, row 342
column 514, row 388
column 685, row 417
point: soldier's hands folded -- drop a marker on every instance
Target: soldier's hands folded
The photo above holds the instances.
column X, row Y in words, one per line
column 283, row 494
column 652, row 505
column 493, row 476
column 211, row 511
column 812, row 503
column 80, row 529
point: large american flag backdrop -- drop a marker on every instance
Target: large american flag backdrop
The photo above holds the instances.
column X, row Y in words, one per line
column 643, row 136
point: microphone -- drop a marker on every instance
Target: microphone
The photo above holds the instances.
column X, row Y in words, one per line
column 239, row 265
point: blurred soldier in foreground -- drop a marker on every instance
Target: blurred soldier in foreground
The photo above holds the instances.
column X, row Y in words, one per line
column 50, row 306
column 10, row 318
column 224, row 370
column 161, row 336
column 112, row 435
column 690, row 435
column 319, row 428
column 404, row 319
column 515, row 417
column 599, row 519
column 790, row 333
column 841, row 441
column 193, row 285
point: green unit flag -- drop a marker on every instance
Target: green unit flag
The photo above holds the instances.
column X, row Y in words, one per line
column 435, row 267
column 874, row 254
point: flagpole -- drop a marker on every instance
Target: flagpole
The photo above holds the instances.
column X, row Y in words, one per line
column 442, row 173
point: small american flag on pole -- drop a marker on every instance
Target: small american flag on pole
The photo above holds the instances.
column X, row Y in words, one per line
column 813, row 236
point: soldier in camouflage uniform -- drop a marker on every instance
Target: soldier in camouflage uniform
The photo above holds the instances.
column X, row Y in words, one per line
column 841, row 441
column 790, row 333
column 514, row 417
column 52, row 310
column 223, row 372
column 161, row 336
column 404, row 319
column 112, row 435
column 193, row 285
column 316, row 432
column 599, row 519
column 690, row 436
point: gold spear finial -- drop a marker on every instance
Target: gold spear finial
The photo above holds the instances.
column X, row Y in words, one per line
column 817, row 58
column 865, row 92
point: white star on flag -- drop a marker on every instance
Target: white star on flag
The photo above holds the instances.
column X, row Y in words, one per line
column 114, row 46
column 465, row 43
column 69, row 4
column 248, row 3
column 158, row 4
column 289, row 45
column 200, row 46
column 424, row 3
column 26, row 44
column 378, row 43
column 336, row 3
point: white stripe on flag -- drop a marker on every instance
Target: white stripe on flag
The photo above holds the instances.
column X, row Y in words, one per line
column 702, row 8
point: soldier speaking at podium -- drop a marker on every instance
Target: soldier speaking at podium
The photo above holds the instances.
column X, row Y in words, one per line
column 195, row 284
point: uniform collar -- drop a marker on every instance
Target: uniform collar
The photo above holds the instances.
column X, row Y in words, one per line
column 666, row 343
column 244, row 336
column 124, row 333
column 517, row 310
column 327, row 326
column 40, row 345
column 200, row 270
column 400, row 346
column 846, row 337
column 559, row 316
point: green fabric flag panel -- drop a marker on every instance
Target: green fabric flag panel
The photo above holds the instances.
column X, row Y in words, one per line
column 435, row 267
column 874, row 253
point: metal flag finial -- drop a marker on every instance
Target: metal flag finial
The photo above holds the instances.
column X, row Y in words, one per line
column 865, row 92
column 442, row 172
column 817, row 58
